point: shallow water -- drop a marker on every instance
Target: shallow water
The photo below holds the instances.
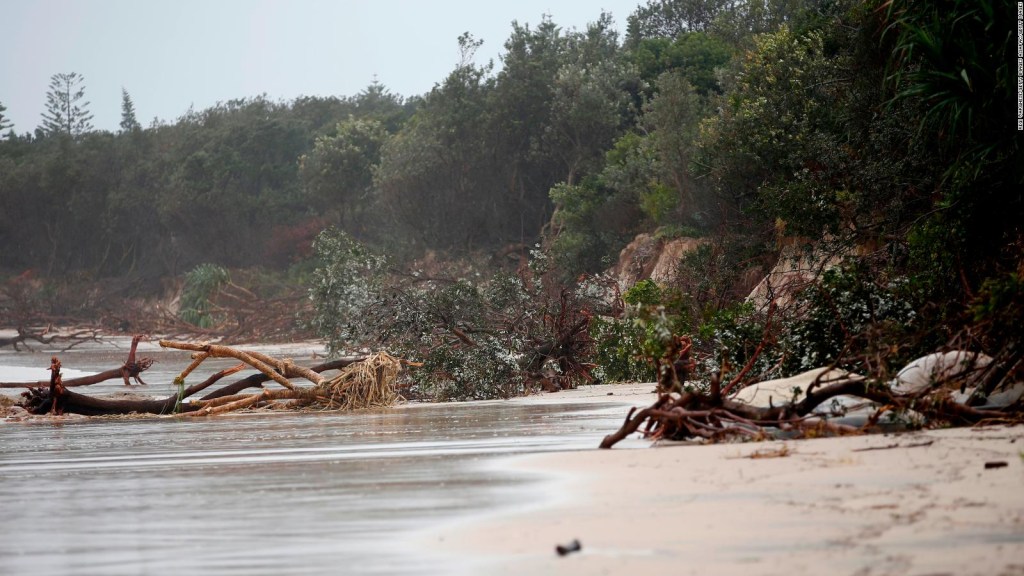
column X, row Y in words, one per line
column 323, row 493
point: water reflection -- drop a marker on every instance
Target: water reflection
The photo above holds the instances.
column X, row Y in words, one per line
column 271, row 494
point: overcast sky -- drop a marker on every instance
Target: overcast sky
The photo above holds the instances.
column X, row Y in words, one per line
column 172, row 54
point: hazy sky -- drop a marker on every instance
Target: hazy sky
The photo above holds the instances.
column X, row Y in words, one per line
column 170, row 54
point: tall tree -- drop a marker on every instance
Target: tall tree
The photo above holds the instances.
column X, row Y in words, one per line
column 590, row 104
column 128, row 121
column 671, row 119
column 5, row 123
column 66, row 113
column 338, row 171
column 437, row 175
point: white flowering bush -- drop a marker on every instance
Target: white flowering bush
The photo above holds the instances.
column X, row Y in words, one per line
column 841, row 317
column 346, row 288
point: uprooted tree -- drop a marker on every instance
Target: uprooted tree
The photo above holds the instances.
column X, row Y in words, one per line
column 955, row 387
column 365, row 381
column 476, row 337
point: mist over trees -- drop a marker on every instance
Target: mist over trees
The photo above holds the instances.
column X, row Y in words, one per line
column 883, row 129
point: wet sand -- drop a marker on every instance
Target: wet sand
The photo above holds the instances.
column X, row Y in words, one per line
column 915, row 503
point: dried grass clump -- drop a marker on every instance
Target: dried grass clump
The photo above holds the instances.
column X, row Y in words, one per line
column 367, row 384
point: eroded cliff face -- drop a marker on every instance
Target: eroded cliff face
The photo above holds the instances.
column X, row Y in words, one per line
column 654, row 258
column 799, row 263
column 797, row 267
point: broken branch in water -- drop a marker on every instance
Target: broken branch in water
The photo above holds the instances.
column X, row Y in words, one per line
column 277, row 373
column 132, row 368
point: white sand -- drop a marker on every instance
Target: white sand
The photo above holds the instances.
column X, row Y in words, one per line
column 825, row 508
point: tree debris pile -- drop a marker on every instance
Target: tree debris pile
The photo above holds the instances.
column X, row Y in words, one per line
column 366, row 384
column 361, row 382
column 210, row 302
column 953, row 387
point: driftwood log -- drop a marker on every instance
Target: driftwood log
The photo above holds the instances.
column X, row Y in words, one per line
column 363, row 381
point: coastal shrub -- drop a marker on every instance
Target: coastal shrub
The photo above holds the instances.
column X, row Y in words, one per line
column 201, row 285
column 730, row 336
column 490, row 369
column 617, row 344
column 473, row 337
column 345, row 287
column 997, row 311
column 627, row 347
column 843, row 317
column 645, row 292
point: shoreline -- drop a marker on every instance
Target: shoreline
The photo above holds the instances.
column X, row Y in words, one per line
column 910, row 503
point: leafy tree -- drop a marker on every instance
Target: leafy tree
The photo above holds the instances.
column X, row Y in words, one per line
column 338, row 171
column 437, row 177
column 599, row 216
column 672, row 18
column 742, row 21
column 521, row 105
column 346, row 286
column 589, row 105
column 696, row 56
column 128, row 121
column 378, row 103
column 594, row 222
column 952, row 62
column 775, row 121
column 672, row 119
column 487, row 338
column 66, row 113
column 234, row 170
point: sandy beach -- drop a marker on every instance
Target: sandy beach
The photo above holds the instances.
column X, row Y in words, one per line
column 920, row 503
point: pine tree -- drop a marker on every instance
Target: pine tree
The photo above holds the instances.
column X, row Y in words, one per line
column 5, row 123
column 128, row 121
column 65, row 112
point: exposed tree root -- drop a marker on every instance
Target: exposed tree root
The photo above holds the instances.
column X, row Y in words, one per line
column 715, row 415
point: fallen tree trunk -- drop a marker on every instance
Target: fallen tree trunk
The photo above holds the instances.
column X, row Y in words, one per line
column 363, row 381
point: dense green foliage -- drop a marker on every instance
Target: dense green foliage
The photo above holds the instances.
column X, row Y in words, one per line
column 879, row 135
column 345, row 288
column 216, row 186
